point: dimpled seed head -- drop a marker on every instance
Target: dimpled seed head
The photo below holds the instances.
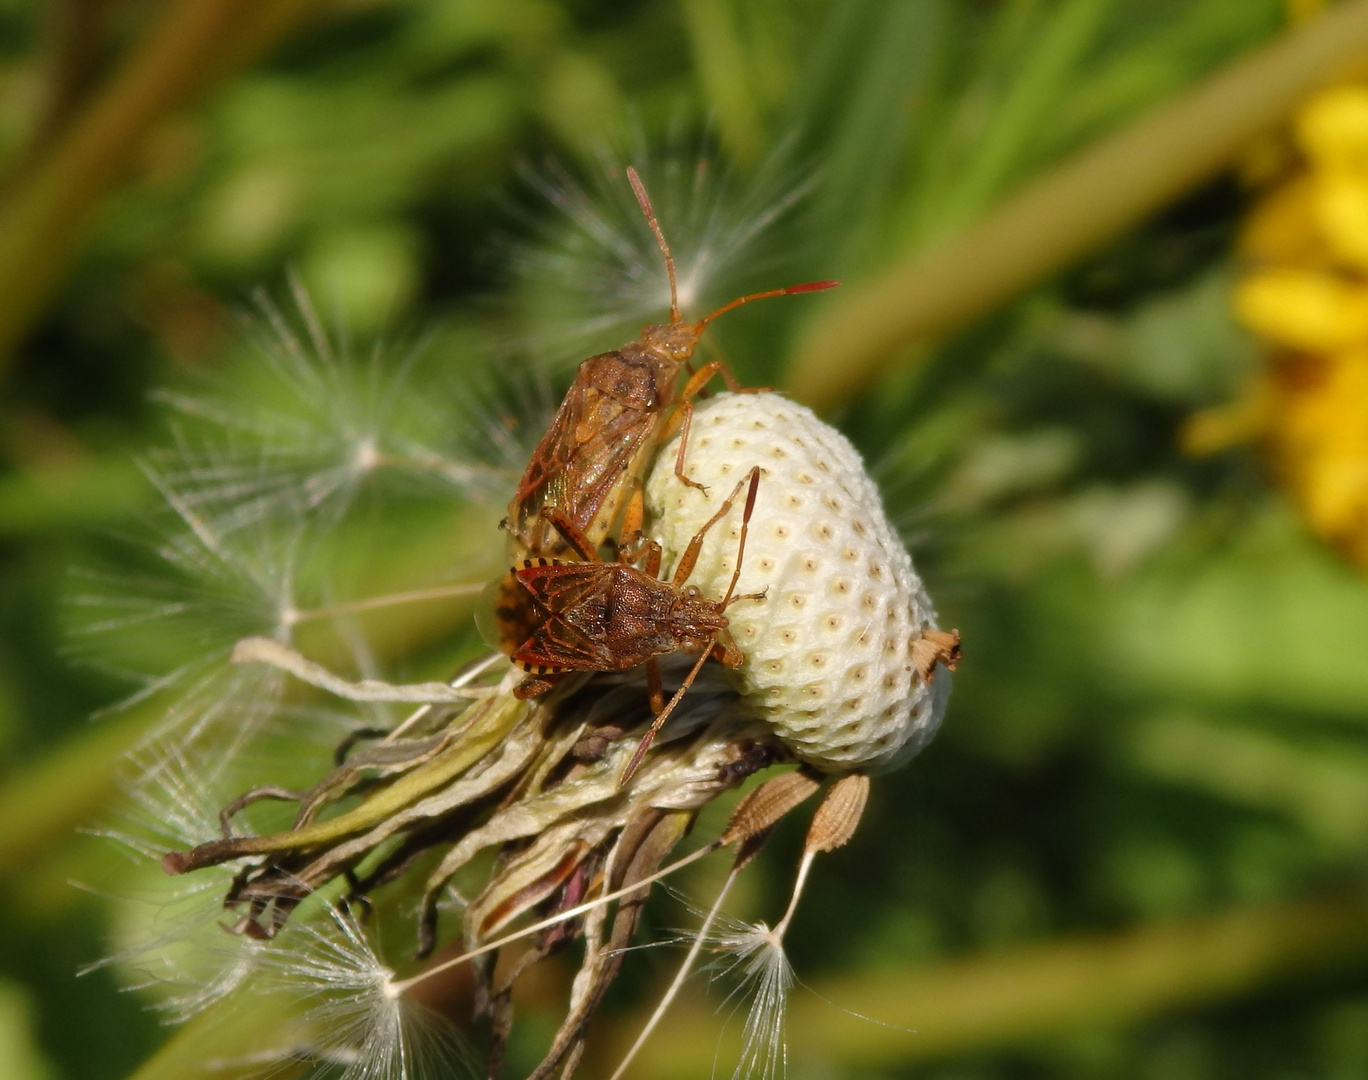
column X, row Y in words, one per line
column 828, row 651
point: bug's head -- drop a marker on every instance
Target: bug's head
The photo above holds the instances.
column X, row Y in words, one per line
column 677, row 340
column 695, row 620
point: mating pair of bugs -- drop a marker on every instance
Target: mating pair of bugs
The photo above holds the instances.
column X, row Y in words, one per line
column 555, row 617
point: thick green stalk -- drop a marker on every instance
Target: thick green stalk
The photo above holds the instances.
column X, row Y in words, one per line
column 490, row 729
column 43, row 221
column 1107, row 188
column 1022, row 996
column 43, row 802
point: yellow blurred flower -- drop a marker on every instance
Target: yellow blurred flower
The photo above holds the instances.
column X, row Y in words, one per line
column 1311, row 310
column 1318, row 439
column 1332, row 132
column 1305, row 294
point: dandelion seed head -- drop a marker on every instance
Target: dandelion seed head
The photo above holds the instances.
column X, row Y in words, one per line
column 169, row 625
column 168, row 943
column 261, row 479
column 830, row 656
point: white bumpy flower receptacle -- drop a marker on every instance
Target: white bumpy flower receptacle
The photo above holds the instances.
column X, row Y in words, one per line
column 829, row 650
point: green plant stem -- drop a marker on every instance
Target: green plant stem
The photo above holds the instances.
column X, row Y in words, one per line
column 1324, row 788
column 1083, row 203
column 1022, row 996
column 409, row 789
column 247, row 1026
column 1064, row 40
column 41, row 225
column 45, row 801
column 93, row 493
column 720, row 58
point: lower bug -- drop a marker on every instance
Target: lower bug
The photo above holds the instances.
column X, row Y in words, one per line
column 557, row 618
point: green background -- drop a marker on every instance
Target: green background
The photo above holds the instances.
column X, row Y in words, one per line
column 1136, row 849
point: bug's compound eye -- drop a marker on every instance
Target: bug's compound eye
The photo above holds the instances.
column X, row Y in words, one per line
column 693, row 592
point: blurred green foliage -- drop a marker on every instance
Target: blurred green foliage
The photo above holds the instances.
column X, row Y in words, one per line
column 1155, row 757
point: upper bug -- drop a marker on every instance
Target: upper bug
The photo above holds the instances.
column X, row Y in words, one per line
column 588, row 465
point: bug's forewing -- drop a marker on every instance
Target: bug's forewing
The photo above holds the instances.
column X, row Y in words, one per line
column 587, row 477
column 558, row 646
column 555, row 643
column 559, row 586
column 554, row 450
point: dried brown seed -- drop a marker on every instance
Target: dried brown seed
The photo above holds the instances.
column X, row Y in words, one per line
column 839, row 814
column 762, row 808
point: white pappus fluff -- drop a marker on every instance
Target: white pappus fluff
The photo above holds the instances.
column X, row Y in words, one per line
column 597, row 273
column 754, row 955
column 167, row 934
column 354, row 1015
column 829, row 649
column 313, row 420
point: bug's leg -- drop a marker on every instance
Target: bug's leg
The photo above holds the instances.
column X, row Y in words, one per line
column 685, row 410
column 726, row 653
column 659, row 721
column 749, row 596
column 654, row 688
column 700, row 378
column 571, row 533
column 702, row 392
column 754, row 478
column 690, row 556
column 653, row 558
column 629, row 537
column 535, row 685
column 733, row 384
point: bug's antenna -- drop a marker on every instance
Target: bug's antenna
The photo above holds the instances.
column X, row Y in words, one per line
column 788, row 290
column 659, row 721
column 645, row 202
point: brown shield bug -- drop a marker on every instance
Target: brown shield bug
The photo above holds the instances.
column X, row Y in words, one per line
column 588, row 465
column 557, row 618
